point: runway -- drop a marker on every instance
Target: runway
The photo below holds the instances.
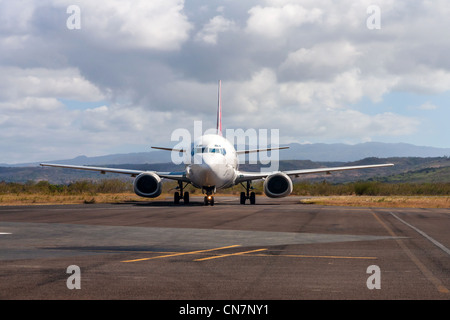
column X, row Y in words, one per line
column 277, row 249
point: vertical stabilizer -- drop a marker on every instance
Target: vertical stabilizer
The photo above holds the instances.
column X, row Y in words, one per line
column 219, row 110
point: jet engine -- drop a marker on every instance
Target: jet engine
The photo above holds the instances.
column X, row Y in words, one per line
column 278, row 185
column 148, row 185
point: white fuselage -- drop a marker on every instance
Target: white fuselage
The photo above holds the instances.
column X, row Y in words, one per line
column 213, row 163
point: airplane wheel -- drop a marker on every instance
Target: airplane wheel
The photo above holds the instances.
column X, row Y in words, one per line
column 205, row 201
column 186, row 197
column 243, row 197
column 252, row 198
column 211, row 202
column 176, row 198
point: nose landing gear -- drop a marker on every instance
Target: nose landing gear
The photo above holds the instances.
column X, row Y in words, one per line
column 209, row 198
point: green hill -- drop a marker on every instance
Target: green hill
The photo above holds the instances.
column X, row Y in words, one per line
column 425, row 175
column 410, row 169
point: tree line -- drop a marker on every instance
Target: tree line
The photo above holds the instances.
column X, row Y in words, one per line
column 370, row 188
column 77, row 187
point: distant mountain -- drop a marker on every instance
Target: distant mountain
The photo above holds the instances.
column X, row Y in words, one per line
column 133, row 158
column 425, row 175
column 337, row 152
column 345, row 152
column 410, row 169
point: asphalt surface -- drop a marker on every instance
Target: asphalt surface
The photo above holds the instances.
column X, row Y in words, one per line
column 277, row 249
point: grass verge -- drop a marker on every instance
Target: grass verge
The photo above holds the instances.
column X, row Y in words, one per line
column 353, row 201
column 382, row 201
column 43, row 199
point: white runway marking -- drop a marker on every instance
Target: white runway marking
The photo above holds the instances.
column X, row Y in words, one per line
column 436, row 243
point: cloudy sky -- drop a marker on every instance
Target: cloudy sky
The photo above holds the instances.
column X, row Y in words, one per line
column 134, row 71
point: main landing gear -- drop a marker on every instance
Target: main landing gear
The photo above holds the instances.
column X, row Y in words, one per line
column 248, row 195
column 177, row 196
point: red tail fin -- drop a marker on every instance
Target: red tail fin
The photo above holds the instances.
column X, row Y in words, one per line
column 219, row 110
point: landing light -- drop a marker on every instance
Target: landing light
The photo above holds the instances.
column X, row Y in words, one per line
column 209, row 197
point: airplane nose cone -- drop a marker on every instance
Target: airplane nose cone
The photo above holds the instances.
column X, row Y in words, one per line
column 209, row 161
column 206, row 168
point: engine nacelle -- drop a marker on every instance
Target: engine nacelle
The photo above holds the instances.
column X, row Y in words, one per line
column 148, row 185
column 278, row 185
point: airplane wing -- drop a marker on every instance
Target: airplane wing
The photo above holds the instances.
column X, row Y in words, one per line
column 168, row 175
column 169, row 149
column 259, row 150
column 248, row 176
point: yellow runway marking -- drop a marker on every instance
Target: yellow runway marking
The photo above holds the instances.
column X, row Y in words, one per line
column 172, row 254
column 322, row 257
column 228, row 255
column 181, row 254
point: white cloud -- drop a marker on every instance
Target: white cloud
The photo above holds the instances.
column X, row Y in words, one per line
column 15, row 16
column 330, row 55
column 323, row 59
column 427, row 106
column 300, row 66
column 211, row 30
column 310, row 109
column 426, row 80
column 19, row 83
column 28, row 104
column 344, row 88
column 274, row 21
column 156, row 24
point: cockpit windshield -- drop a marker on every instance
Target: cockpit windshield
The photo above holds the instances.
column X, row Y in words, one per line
column 215, row 149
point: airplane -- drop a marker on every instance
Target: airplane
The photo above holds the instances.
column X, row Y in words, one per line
column 213, row 166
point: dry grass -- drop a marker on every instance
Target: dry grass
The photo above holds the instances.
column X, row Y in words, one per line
column 382, row 201
column 21, row 199
column 354, row 201
column 43, row 199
